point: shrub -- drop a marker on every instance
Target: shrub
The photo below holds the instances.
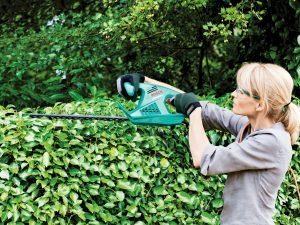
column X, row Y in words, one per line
column 52, row 48
column 97, row 172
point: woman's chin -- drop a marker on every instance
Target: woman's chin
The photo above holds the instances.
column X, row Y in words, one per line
column 236, row 111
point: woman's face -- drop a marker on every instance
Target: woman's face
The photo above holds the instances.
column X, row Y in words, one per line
column 243, row 103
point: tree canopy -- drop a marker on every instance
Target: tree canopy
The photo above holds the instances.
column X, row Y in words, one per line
column 68, row 45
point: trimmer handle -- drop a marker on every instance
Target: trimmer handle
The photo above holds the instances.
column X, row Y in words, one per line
column 130, row 91
column 129, row 88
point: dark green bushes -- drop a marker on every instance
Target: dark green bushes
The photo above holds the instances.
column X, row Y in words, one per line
column 195, row 45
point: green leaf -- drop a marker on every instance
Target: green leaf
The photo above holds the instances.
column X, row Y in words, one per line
column 113, row 153
column 122, row 166
column 90, row 207
column 3, row 196
column 19, row 74
column 214, row 137
column 14, row 168
column 63, row 189
column 217, row 203
column 125, row 185
column 196, row 187
column 107, row 217
column 273, row 55
column 74, row 171
column 137, row 138
column 93, row 90
column 32, row 187
column 134, row 174
column 295, row 204
column 75, row 96
column 208, row 218
column 74, row 142
column 18, row 18
column 164, row 163
column 61, row 172
column 42, row 201
column 80, row 213
column 76, row 71
column 94, row 178
column 181, row 179
column 298, row 71
column 109, row 205
column 132, row 209
column 120, row 195
column 140, row 223
column 93, row 192
column 26, row 215
column 109, row 182
column 56, row 97
column 89, row 216
column 4, row 174
column 30, row 137
column 74, row 197
column 63, row 210
column 185, row 197
column 46, row 159
column 160, row 190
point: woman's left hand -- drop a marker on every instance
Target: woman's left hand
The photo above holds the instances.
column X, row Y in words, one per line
column 186, row 103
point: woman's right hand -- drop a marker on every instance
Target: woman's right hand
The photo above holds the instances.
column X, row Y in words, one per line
column 134, row 79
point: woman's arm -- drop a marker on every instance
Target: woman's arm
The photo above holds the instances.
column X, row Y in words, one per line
column 152, row 81
column 198, row 139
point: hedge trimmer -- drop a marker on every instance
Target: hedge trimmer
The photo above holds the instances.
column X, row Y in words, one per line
column 151, row 109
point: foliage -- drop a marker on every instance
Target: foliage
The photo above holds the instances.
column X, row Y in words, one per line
column 295, row 64
column 89, row 172
column 92, row 172
column 50, row 68
column 100, row 172
column 58, row 47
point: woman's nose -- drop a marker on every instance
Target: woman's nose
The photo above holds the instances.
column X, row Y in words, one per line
column 233, row 94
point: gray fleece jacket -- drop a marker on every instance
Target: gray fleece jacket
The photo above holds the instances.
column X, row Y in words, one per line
column 255, row 163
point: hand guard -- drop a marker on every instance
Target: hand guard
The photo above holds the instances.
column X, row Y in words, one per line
column 134, row 79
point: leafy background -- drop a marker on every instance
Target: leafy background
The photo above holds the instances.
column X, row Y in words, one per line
column 53, row 48
column 63, row 56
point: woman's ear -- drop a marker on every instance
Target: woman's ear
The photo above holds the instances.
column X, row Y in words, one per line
column 260, row 106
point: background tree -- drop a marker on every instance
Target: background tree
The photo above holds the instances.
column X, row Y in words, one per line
column 69, row 45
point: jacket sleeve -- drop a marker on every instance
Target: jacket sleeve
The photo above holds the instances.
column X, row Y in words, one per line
column 215, row 117
column 259, row 151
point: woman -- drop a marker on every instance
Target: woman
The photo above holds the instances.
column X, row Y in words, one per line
column 265, row 123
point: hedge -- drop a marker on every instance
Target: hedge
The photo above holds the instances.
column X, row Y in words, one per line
column 103, row 172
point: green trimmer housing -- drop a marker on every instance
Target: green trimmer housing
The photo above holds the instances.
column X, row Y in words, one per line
column 152, row 106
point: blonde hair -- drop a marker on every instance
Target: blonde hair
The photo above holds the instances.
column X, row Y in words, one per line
column 274, row 85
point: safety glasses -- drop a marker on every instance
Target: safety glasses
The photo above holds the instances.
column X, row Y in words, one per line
column 242, row 91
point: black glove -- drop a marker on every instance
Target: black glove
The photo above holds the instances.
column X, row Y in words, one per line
column 134, row 79
column 186, row 103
